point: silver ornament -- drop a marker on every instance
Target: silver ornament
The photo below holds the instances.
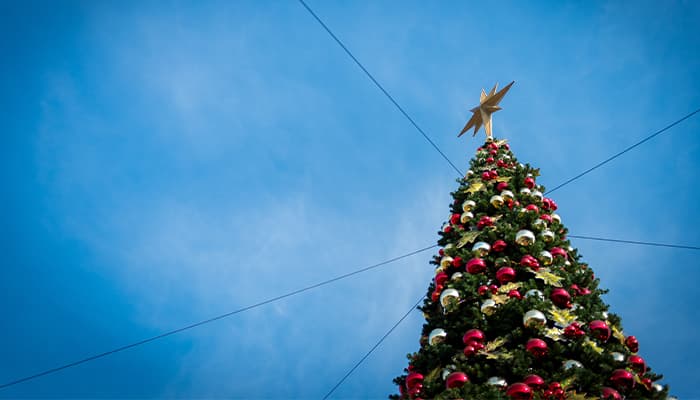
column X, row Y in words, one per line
column 496, row 201
column 556, row 218
column 488, row 307
column 617, row 357
column 448, row 370
column 469, row 173
column 437, row 336
column 547, row 235
column 439, row 269
column 537, row 195
column 507, row 195
column 448, row 295
column 657, row 387
column 524, row 237
column 481, row 249
column 468, row 205
column 525, row 191
column 546, row 257
column 446, row 261
column 466, row 217
column 535, row 293
column 539, row 224
column 456, row 276
column 569, row 364
column 534, row 318
column 496, row 381
column 605, row 315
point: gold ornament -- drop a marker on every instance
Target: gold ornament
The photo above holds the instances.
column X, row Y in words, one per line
column 481, row 114
column 493, row 345
column 548, row 277
column 554, row 333
column 593, row 345
column 503, row 179
column 468, row 205
column 562, row 318
column 524, row 237
column 617, row 333
column 467, row 237
column 497, row 201
column 475, row 186
column 509, row 286
column 500, row 298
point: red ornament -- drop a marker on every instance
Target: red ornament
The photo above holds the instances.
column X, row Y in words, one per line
column 493, row 146
column 574, row 331
column 546, row 203
column 558, row 252
column 483, row 222
column 638, row 364
column 537, row 347
column 493, row 152
column 412, row 379
column 456, row 379
column 441, row 278
column 447, row 228
column 482, row 290
column 469, row 350
column 435, row 296
column 457, row 262
column 493, row 289
column 490, row 160
column 646, row 382
column 530, row 262
column 532, row 208
column 441, row 252
column 474, row 335
column 415, row 391
column 486, row 176
column 529, row 182
column 505, row 274
column 501, row 186
column 546, row 217
column 519, row 391
column 534, row 381
column 600, row 330
column 561, row 298
column 632, row 343
column 493, row 174
column 607, row 393
column 476, row 266
column 622, row 379
column 454, row 219
column 499, row 245
column 515, row 294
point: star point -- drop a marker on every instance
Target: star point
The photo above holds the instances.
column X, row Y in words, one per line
column 481, row 114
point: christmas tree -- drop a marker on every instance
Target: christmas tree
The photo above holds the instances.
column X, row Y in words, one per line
column 513, row 312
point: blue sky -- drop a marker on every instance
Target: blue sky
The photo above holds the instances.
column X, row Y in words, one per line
column 167, row 162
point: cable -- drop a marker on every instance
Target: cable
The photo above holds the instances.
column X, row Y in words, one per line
column 625, row 150
column 369, row 75
column 373, row 348
column 675, row 246
column 240, row 310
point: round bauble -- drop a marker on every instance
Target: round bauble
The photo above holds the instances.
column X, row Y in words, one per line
column 545, row 257
column 534, row 319
column 448, row 370
column 482, row 290
column 537, row 347
column 473, row 335
column 534, row 381
column 524, row 237
column 556, row 219
column 534, row 293
column 501, row 186
column 499, row 245
column 507, row 195
column 539, row 224
column 600, row 330
column 481, row 249
column 519, row 391
column 454, row 219
column 657, row 387
column 488, row 307
column 505, row 274
column 412, row 379
column 497, row 381
column 536, row 194
column 476, row 266
column 468, row 205
column 466, row 217
column 440, row 278
column 622, row 379
column 449, row 296
column 496, row 201
column 515, row 294
column 561, row 298
column 525, row 191
column 446, row 228
column 446, row 262
column 529, row 182
column 456, row 276
column 607, row 393
column 617, row 357
column 632, row 344
column 547, row 236
column 558, row 252
column 637, row 364
column 457, row 262
column 569, row 364
column 437, row 336
column 456, row 379
column 529, row 261
column 574, row 331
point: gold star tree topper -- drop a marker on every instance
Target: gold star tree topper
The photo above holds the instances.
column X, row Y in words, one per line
column 481, row 115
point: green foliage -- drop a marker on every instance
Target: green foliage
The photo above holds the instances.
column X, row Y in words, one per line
column 510, row 360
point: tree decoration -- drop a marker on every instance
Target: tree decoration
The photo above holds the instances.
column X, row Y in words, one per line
column 527, row 308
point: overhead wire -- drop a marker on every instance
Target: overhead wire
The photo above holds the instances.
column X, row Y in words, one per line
column 206, row 321
column 675, row 246
column 376, row 83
